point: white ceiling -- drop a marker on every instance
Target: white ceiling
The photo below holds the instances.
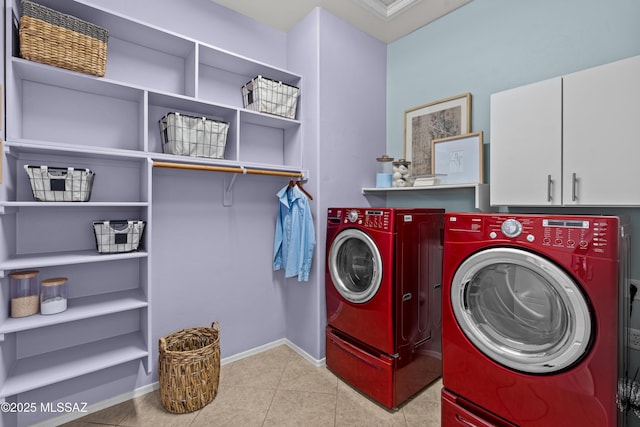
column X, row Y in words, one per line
column 386, row 20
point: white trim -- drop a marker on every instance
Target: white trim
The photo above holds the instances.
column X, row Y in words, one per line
column 253, row 351
column 141, row 391
column 387, row 12
column 318, row 363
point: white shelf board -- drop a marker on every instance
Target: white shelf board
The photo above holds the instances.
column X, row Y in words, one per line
column 237, row 64
column 78, row 309
column 45, row 369
column 55, row 148
column 172, row 158
column 31, row 204
column 55, row 76
column 481, row 192
column 64, row 258
column 268, row 120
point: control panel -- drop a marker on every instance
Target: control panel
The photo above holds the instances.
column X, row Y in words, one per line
column 377, row 219
column 572, row 233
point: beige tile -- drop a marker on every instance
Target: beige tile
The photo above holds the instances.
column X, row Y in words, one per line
column 149, row 412
column 424, row 409
column 301, row 375
column 236, row 406
column 79, row 423
column 263, row 370
column 300, row 408
column 111, row 415
column 354, row 409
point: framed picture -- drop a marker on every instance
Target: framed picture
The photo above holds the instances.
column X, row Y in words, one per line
column 423, row 124
column 458, row 159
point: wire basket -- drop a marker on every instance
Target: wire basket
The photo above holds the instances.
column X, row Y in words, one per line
column 193, row 136
column 270, row 96
column 64, row 41
column 118, row 236
column 54, row 184
column 189, row 368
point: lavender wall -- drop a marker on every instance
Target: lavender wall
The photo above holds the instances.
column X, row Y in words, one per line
column 343, row 107
column 208, row 22
column 211, row 262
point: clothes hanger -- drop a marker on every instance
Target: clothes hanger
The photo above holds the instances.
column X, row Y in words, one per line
column 298, row 183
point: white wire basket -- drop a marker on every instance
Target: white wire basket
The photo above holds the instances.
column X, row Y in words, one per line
column 55, row 184
column 270, row 96
column 118, row 236
column 192, row 136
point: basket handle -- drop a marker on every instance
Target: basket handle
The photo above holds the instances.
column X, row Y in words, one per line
column 163, row 344
column 215, row 325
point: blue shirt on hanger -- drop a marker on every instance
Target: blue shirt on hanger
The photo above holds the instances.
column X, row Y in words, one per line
column 295, row 237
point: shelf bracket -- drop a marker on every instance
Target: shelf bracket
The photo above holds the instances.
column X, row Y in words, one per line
column 229, row 180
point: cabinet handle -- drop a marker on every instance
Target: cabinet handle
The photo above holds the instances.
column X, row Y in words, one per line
column 549, row 183
column 574, row 184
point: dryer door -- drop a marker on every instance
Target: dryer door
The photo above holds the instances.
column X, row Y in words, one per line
column 521, row 310
column 355, row 265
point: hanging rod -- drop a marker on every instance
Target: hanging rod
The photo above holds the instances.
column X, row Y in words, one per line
column 241, row 170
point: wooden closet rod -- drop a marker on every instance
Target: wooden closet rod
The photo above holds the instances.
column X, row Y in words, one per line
column 227, row 169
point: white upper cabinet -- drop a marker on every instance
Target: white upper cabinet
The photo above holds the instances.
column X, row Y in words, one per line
column 526, row 145
column 568, row 140
column 601, row 143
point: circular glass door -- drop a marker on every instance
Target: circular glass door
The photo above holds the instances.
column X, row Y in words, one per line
column 355, row 265
column 521, row 310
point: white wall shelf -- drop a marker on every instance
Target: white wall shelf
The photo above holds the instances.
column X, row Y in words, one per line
column 78, row 309
column 480, row 192
column 50, row 368
column 109, row 124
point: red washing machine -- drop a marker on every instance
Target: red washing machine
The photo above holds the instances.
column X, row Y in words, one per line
column 533, row 319
column 383, row 300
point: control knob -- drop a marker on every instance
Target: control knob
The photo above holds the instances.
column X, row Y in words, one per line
column 511, row 228
column 352, row 215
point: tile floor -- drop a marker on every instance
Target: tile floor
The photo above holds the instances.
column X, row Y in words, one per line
column 275, row 388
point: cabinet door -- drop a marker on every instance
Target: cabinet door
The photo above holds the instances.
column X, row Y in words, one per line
column 526, row 143
column 601, row 140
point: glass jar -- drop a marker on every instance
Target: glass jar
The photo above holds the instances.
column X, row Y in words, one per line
column 402, row 173
column 385, row 171
column 53, row 295
column 24, row 293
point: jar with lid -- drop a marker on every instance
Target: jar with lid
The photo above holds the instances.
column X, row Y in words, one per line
column 24, row 293
column 402, row 173
column 385, row 171
column 53, row 295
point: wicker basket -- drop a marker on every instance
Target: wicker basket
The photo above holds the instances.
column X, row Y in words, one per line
column 53, row 38
column 189, row 368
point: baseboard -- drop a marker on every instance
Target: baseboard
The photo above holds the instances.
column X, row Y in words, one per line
column 152, row 387
column 140, row 391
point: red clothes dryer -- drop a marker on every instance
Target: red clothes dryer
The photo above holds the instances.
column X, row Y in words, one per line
column 383, row 299
column 533, row 319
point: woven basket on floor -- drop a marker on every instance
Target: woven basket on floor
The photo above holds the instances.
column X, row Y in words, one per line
column 189, row 368
column 53, row 38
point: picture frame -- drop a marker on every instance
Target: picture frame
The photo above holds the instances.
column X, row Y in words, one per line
column 459, row 158
column 440, row 119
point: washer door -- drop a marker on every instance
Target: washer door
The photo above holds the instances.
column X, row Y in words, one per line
column 521, row 310
column 355, row 265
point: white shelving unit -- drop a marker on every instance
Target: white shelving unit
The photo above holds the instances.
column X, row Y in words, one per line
column 480, row 192
column 110, row 125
